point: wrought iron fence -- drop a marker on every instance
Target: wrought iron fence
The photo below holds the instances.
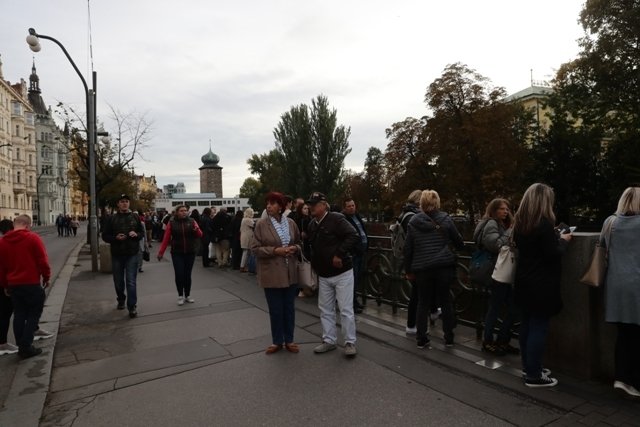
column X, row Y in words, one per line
column 384, row 283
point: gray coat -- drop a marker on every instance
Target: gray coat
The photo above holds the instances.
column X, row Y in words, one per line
column 494, row 236
column 622, row 285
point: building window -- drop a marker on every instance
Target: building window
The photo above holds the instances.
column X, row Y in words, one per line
column 17, row 130
column 17, row 154
column 18, row 177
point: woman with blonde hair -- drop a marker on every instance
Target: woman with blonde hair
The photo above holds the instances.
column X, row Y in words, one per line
column 429, row 261
column 490, row 235
column 537, row 281
column 622, row 288
column 246, row 235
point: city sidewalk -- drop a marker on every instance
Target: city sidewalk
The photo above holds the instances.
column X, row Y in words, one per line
column 204, row 364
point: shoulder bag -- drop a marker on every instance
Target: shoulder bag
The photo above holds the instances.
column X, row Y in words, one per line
column 481, row 264
column 505, row 268
column 597, row 270
column 307, row 278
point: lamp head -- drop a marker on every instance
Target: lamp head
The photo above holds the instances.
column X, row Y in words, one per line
column 33, row 41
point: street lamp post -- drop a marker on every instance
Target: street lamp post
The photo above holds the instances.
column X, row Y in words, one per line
column 33, row 39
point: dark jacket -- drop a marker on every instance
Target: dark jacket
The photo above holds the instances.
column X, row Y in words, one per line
column 361, row 248
column 207, row 229
column 409, row 207
column 123, row 223
column 537, row 284
column 427, row 242
column 221, row 226
column 333, row 236
column 184, row 236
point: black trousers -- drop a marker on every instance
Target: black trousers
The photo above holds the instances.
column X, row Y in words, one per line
column 6, row 310
column 28, row 302
column 435, row 281
column 627, row 357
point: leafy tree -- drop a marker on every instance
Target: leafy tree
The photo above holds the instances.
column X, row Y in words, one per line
column 310, row 148
column 472, row 148
column 601, row 87
column 252, row 189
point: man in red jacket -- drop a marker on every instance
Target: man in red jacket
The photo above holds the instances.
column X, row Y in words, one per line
column 24, row 265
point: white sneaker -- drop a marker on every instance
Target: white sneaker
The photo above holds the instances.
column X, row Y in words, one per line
column 41, row 334
column 180, row 300
column 411, row 331
column 190, row 300
column 629, row 389
column 8, row 348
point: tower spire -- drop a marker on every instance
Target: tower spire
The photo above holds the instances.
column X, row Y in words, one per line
column 34, row 80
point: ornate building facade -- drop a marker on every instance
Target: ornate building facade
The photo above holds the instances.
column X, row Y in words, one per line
column 17, row 150
column 52, row 179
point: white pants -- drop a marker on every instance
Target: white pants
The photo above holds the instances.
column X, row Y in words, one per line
column 331, row 289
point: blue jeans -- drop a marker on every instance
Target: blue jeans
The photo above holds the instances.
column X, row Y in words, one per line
column 501, row 296
column 182, row 266
column 125, row 271
column 533, row 336
column 28, row 302
column 282, row 313
column 435, row 283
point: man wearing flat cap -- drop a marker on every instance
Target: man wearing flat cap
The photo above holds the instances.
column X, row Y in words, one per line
column 123, row 231
column 333, row 241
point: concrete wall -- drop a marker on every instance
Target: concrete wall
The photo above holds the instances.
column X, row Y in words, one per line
column 580, row 342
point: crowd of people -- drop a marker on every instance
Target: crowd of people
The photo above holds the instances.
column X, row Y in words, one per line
column 334, row 239
column 67, row 225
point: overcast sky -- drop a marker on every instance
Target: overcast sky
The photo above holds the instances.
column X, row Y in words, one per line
column 227, row 70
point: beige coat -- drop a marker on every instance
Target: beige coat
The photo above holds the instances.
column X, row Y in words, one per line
column 246, row 232
column 274, row 271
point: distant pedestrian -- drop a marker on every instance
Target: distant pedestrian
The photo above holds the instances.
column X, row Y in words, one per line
column 123, row 231
column 246, row 236
column 74, row 226
column 24, row 274
column 276, row 243
column 537, row 282
column 183, row 233
column 333, row 242
column 207, row 236
column 412, row 207
column 221, row 225
column 236, row 247
column 60, row 225
column 622, row 289
column 430, row 261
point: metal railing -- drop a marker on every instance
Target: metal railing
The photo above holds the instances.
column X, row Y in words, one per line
column 384, row 282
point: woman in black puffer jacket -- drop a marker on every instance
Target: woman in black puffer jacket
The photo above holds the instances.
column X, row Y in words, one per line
column 429, row 260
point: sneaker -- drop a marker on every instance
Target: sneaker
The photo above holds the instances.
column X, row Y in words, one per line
column 545, row 371
column 133, row 312
column 350, row 349
column 180, row 300
column 543, row 381
column 41, row 334
column 435, row 315
column 324, row 347
column 411, row 331
column 29, row 352
column 120, row 305
column 8, row 348
column 493, row 348
column 422, row 343
column 189, row 300
column 626, row 388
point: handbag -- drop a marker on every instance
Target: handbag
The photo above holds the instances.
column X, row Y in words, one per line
column 307, row 278
column 146, row 255
column 481, row 264
column 597, row 270
column 505, row 268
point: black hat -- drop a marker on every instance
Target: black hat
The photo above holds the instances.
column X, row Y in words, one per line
column 123, row 197
column 316, row 197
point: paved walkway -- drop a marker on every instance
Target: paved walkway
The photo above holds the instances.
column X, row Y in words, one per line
column 204, row 364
